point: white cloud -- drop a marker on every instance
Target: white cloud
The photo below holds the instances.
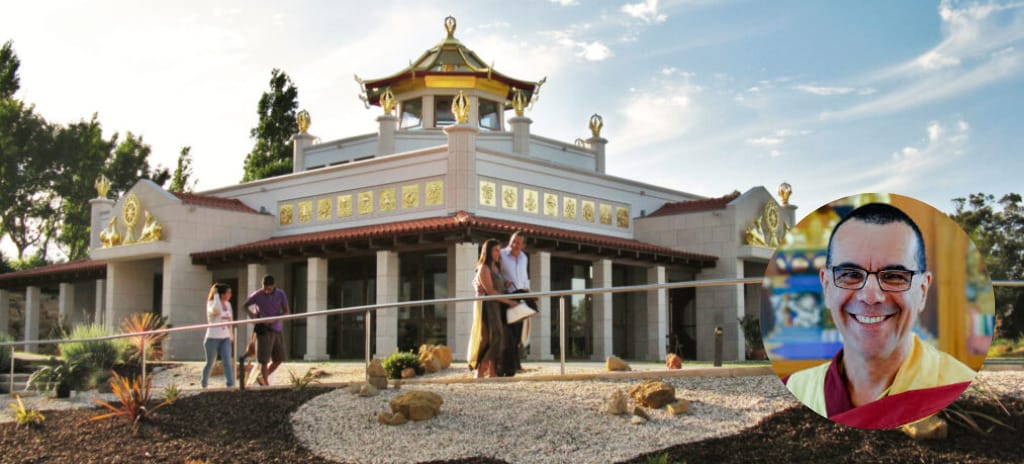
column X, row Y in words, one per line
column 646, row 11
column 669, row 70
column 656, row 114
column 792, row 132
column 775, row 153
column 913, row 165
column 594, row 51
column 822, row 90
column 764, row 141
column 565, row 2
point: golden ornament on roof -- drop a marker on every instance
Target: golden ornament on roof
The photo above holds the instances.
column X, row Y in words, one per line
column 596, row 124
column 130, row 214
column 303, row 119
column 460, row 108
column 519, row 101
column 152, row 231
column 102, row 186
column 785, row 190
column 387, row 101
column 109, row 236
column 449, row 26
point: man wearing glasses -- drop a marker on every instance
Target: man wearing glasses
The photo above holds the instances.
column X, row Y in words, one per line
column 875, row 284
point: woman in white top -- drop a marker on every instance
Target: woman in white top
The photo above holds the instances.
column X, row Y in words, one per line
column 218, row 339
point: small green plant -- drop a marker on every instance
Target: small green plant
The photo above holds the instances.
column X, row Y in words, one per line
column 60, row 377
column 300, row 383
column 171, row 393
column 93, row 355
column 23, row 416
column 751, row 326
column 144, row 322
column 397, row 362
column 134, row 398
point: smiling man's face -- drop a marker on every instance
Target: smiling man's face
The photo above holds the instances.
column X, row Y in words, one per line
column 875, row 324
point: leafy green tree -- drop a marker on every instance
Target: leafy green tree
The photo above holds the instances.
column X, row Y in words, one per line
column 130, row 162
column 82, row 153
column 27, row 206
column 997, row 229
column 9, row 63
column 272, row 154
column 182, row 180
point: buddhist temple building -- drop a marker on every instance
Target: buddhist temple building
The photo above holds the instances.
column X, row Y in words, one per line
column 400, row 214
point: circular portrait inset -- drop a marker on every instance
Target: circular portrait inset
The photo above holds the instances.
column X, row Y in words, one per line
column 877, row 311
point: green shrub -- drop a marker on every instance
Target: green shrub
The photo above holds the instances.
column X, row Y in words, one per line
column 396, row 363
column 6, row 352
column 61, row 377
column 95, row 355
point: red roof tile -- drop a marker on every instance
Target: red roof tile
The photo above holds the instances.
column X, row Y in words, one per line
column 208, row 201
column 53, row 273
column 460, row 221
column 694, row 206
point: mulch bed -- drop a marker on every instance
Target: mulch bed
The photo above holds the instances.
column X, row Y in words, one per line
column 253, row 426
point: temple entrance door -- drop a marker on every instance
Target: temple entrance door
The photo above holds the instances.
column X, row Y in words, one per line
column 682, row 320
column 351, row 282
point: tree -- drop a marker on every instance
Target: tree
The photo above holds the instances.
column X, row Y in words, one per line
column 82, row 154
column 272, row 154
column 182, row 180
column 997, row 229
column 9, row 63
column 27, row 207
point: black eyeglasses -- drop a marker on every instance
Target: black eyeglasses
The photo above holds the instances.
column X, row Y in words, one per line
column 889, row 280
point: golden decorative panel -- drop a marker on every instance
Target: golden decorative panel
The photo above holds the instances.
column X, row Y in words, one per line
column 344, row 206
column 487, row 193
column 588, row 211
column 130, row 214
column 530, row 204
column 285, row 214
column 606, row 214
column 509, row 197
column 435, row 193
column 569, row 208
column 550, row 204
column 305, row 211
column 410, row 196
column 387, row 200
column 323, row 209
column 365, row 202
column 622, row 217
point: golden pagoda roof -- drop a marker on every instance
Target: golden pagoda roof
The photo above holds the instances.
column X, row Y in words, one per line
column 449, row 64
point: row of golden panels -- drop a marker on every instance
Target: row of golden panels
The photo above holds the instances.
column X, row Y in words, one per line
column 589, row 211
column 342, row 206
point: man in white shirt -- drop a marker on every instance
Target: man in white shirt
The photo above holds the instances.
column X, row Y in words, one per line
column 515, row 270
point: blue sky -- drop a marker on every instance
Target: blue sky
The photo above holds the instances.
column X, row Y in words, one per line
column 920, row 98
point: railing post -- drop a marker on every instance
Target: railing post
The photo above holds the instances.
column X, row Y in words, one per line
column 10, row 380
column 366, row 320
column 718, row 346
column 561, row 331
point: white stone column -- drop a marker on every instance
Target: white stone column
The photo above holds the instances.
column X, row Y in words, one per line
column 99, row 215
column 657, row 315
column 461, row 262
column 184, row 294
column 520, row 135
column 386, row 134
column 540, row 325
column 316, row 300
column 602, row 310
column 789, row 214
column 461, row 184
column 5, row 312
column 32, row 309
column 598, row 145
column 299, row 144
column 66, row 303
column 387, row 292
column 99, row 308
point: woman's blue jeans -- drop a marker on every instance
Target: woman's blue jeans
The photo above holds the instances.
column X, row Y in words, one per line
column 222, row 347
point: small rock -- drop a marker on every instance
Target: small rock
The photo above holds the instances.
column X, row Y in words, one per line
column 418, row 405
column 616, row 403
column 368, row 390
column 637, row 420
column 614, row 363
column 317, row 373
column 388, row 418
column 377, row 375
column 408, row 373
column 930, row 428
column 679, row 407
column 443, row 354
column 653, row 393
column 639, row 412
column 353, row 388
column 673, row 361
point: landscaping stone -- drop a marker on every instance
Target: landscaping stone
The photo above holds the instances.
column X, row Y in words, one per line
column 408, row 373
column 638, row 411
column 653, row 393
column 614, row 363
column 673, row 361
column 388, row 418
column 679, row 407
column 616, row 403
column 378, row 376
column 637, row 420
column 368, row 390
column 418, row 405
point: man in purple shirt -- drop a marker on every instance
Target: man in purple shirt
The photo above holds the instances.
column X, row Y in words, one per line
column 268, row 301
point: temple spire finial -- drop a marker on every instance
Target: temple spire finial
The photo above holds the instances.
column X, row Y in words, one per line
column 449, row 26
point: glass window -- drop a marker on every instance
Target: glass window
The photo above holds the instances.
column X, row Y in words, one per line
column 412, row 114
column 443, row 115
column 489, row 119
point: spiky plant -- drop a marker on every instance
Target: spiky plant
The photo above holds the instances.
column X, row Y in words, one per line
column 134, row 397
column 144, row 322
column 23, row 416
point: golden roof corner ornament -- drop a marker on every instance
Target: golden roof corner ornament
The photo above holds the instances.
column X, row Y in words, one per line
column 152, row 231
column 519, row 102
column 764, row 231
column 460, row 108
column 109, row 237
column 596, row 124
column 303, row 120
column 785, row 190
column 449, row 26
column 102, row 186
column 387, row 101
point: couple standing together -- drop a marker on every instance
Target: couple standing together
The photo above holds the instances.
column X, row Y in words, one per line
column 493, row 342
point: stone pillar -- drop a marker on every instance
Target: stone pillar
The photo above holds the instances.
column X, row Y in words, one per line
column 789, row 214
column 540, row 325
column 597, row 144
column 461, row 188
column 520, row 135
column 5, row 312
column 387, row 292
column 66, row 303
column 602, row 310
column 316, row 300
column 657, row 315
column 461, row 263
column 386, row 134
column 32, row 310
column 299, row 144
column 100, row 214
column 184, row 292
column 99, row 309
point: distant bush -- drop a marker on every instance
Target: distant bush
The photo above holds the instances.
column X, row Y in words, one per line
column 94, row 356
column 396, row 363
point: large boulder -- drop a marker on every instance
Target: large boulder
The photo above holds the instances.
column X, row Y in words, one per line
column 653, row 393
column 614, row 363
column 443, row 354
column 417, row 405
column 377, row 375
column 673, row 361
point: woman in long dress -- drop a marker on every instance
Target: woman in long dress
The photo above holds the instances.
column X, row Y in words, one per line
column 491, row 342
